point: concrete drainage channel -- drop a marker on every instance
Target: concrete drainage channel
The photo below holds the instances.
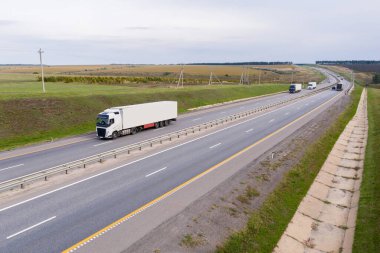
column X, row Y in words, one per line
column 325, row 220
column 22, row 181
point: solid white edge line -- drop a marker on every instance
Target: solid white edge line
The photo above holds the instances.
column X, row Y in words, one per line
column 11, row 167
column 104, row 143
column 164, row 168
column 214, row 146
column 146, row 157
column 31, row 227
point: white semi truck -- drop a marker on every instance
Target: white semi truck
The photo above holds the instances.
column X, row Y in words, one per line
column 312, row 85
column 295, row 87
column 130, row 119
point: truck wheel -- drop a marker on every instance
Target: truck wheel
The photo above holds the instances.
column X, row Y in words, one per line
column 157, row 125
column 114, row 135
column 133, row 131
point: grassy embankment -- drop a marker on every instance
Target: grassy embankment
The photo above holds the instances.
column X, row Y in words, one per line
column 27, row 115
column 367, row 233
column 266, row 225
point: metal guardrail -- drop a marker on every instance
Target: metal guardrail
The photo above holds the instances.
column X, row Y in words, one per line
column 22, row 181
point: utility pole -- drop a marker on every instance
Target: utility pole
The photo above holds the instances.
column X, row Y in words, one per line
column 180, row 79
column 42, row 70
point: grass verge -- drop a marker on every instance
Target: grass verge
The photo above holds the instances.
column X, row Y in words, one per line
column 368, row 221
column 267, row 224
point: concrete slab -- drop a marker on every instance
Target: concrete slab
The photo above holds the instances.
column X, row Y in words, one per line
column 351, row 218
column 349, row 163
column 339, row 197
column 300, row 227
column 311, row 207
column 352, row 156
column 348, row 240
column 344, row 172
column 328, row 238
column 334, row 215
column 319, row 191
column 289, row 245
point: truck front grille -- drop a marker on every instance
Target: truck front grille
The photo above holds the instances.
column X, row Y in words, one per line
column 101, row 132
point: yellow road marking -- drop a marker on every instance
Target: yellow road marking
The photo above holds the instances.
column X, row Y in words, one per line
column 177, row 188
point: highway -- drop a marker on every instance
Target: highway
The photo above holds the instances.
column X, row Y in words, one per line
column 14, row 167
column 55, row 220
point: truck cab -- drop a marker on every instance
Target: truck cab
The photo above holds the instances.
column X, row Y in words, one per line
column 295, row 87
column 108, row 123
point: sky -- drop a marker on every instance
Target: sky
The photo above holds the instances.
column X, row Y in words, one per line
column 187, row 31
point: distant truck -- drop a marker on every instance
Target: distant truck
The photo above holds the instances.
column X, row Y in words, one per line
column 295, row 87
column 130, row 119
column 339, row 86
column 312, row 85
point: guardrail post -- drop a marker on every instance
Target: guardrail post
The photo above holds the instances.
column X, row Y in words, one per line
column 46, row 178
column 22, row 186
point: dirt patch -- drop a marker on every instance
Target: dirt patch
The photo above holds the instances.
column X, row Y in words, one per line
column 207, row 222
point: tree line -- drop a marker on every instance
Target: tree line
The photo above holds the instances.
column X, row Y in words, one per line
column 352, row 62
column 245, row 63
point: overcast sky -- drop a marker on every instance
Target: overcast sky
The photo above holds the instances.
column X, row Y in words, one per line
column 184, row 31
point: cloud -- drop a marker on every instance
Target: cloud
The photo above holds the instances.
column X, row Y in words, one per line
column 171, row 31
column 139, row 28
column 4, row 22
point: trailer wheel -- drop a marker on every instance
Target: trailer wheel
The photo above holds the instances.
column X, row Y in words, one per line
column 114, row 135
column 157, row 125
column 133, row 131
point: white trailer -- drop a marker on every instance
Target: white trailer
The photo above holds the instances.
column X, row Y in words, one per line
column 130, row 119
column 312, row 85
column 295, row 87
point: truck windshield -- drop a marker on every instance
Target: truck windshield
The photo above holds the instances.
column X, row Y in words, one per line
column 102, row 120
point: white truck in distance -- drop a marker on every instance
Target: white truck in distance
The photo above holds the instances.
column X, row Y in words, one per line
column 312, row 85
column 130, row 119
column 295, row 87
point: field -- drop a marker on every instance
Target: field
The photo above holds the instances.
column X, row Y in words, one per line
column 192, row 73
column 368, row 222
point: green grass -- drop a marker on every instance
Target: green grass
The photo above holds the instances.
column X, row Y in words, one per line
column 28, row 116
column 367, row 233
column 267, row 224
